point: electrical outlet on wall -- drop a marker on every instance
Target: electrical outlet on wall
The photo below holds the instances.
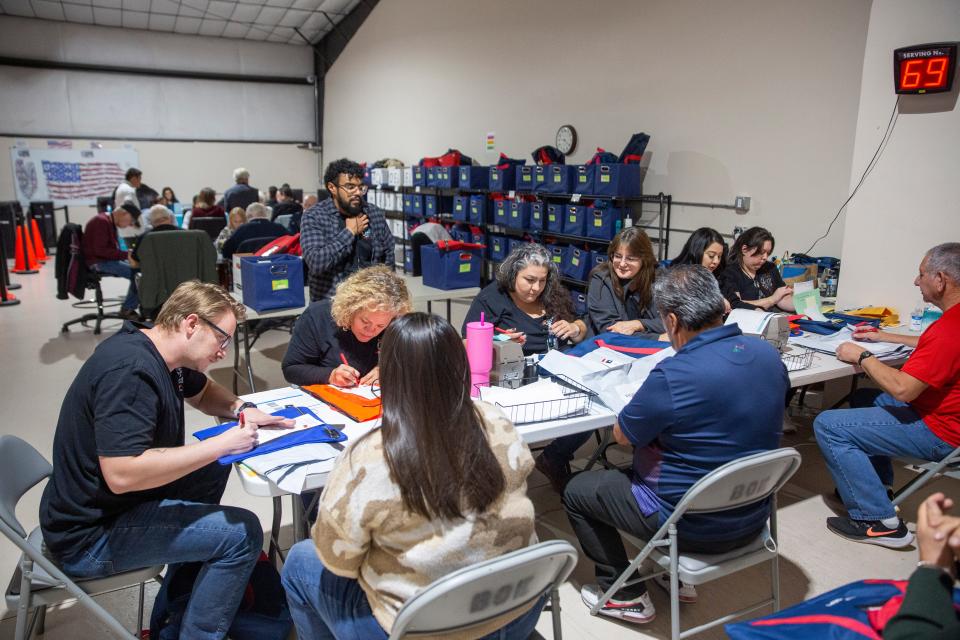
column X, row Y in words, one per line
column 742, row 204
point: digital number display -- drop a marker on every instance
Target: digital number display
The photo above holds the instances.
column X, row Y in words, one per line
column 925, row 68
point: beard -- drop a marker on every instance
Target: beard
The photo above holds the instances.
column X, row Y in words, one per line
column 348, row 207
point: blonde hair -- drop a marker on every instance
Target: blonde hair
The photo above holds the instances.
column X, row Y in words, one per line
column 237, row 213
column 206, row 300
column 371, row 289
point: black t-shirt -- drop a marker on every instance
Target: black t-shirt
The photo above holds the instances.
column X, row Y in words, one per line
column 362, row 255
column 738, row 286
column 499, row 308
column 123, row 401
column 315, row 348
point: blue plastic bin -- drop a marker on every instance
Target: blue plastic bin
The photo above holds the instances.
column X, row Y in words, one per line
column 461, row 208
column 461, row 233
column 478, row 209
column 525, row 177
column 272, row 282
column 579, row 302
column 497, row 247
column 584, row 175
column 559, row 179
column 474, row 177
column 457, row 269
column 537, row 210
column 407, row 203
column 575, row 220
column 447, row 177
column 416, row 204
column 408, row 259
column 556, row 254
column 554, row 216
column 603, row 220
column 617, row 180
column 519, row 215
column 576, row 263
column 503, row 180
column 419, row 176
column 539, row 178
column 478, row 236
column 501, row 212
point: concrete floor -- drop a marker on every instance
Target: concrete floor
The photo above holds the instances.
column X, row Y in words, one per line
column 38, row 363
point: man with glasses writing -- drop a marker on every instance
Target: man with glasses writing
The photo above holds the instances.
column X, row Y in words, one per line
column 343, row 234
column 126, row 491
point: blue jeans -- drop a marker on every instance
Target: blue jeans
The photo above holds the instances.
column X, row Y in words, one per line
column 857, row 444
column 228, row 540
column 121, row 269
column 326, row 606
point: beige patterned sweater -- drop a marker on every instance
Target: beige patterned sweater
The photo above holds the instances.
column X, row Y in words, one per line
column 363, row 532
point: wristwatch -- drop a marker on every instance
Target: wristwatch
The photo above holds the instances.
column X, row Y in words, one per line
column 864, row 356
column 245, row 405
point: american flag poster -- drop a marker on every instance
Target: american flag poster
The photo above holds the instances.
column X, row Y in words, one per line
column 69, row 176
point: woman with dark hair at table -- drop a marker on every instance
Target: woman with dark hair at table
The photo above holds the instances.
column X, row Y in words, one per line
column 620, row 293
column 440, row 485
column 750, row 280
column 346, row 327
column 705, row 247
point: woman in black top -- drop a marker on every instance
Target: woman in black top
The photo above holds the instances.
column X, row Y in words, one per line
column 620, row 294
column 528, row 302
column 750, row 281
column 705, row 247
column 348, row 326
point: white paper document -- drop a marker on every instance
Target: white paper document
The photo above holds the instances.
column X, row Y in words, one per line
column 288, row 468
column 750, row 321
column 536, row 402
column 266, row 434
column 829, row 344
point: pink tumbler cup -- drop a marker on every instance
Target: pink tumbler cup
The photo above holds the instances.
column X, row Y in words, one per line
column 479, row 354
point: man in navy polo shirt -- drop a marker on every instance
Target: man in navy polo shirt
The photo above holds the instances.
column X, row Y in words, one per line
column 718, row 399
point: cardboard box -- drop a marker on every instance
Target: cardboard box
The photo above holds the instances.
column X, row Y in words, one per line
column 237, row 273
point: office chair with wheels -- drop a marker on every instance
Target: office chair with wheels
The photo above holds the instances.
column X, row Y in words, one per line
column 38, row 582
column 74, row 278
column 487, row 590
column 738, row 483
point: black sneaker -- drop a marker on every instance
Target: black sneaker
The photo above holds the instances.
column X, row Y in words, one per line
column 871, row 532
column 558, row 473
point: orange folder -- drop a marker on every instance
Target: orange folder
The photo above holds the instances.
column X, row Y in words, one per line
column 350, row 404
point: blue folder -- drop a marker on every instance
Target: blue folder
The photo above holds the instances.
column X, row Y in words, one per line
column 318, row 434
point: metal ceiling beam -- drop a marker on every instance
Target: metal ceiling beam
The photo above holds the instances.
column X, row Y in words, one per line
column 328, row 49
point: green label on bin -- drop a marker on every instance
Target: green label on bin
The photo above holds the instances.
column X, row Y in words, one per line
column 279, row 285
column 465, row 267
column 459, row 207
column 605, row 178
column 598, row 222
column 573, row 218
column 526, row 177
column 553, row 218
column 582, row 178
column 556, row 178
column 575, row 262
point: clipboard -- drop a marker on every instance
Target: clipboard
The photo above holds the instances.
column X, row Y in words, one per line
column 351, row 405
column 318, row 434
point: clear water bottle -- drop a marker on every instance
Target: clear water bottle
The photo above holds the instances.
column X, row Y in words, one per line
column 916, row 316
column 551, row 337
column 930, row 315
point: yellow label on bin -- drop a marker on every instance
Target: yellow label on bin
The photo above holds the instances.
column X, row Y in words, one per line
column 465, row 267
column 280, row 285
column 557, row 178
column 575, row 262
column 573, row 218
column 459, row 207
column 605, row 178
column 526, row 177
column 516, row 214
column 582, row 177
column 553, row 218
column 598, row 222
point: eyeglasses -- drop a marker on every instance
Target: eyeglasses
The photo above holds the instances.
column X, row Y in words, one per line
column 226, row 336
column 352, row 187
column 617, row 257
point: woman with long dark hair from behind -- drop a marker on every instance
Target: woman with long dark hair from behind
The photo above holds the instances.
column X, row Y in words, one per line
column 440, row 485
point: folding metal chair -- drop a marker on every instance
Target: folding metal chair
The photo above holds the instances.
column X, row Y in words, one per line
column 487, row 590
column 736, row 484
column 38, row 582
column 948, row 465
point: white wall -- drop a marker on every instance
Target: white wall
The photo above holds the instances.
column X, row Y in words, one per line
column 910, row 201
column 188, row 167
column 753, row 97
column 50, row 102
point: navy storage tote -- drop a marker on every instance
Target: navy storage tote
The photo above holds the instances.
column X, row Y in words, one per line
column 431, row 176
column 503, row 179
column 559, row 179
column 583, row 178
column 513, row 243
column 576, row 263
column 416, row 204
column 537, row 210
column 575, row 220
column 617, row 180
column 540, row 177
column 579, row 302
column 497, row 247
column 474, row 177
column 419, row 176
column 519, row 215
column 461, row 233
column 447, row 177
column 525, row 178
column 555, row 217
column 461, row 208
column 478, row 208
column 477, row 236
column 407, row 203
column 408, row 259
column 556, row 254
column 597, row 258
column 501, row 212
column 603, row 220
column 277, row 282
column 435, row 205
column 457, row 269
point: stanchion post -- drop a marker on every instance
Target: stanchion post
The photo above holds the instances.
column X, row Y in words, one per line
column 4, row 300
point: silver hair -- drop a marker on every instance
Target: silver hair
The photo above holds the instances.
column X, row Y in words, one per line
column 256, row 210
column 945, row 258
column 526, row 255
column 691, row 293
column 159, row 214
column 241, row 175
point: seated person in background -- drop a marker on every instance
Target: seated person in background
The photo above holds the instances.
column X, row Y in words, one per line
column 620, row 293
column 168, row 197
column 927, row 610
column 271, row 199
column 241, row 194
column 348, row 327
column 101, row 251
column 441, row 484
column 915, row 413
column 204, row 207
column 237, row 217
column 126, row 491
column 528, row 302
column 257, row 225
column 750, row 280
column 311, row 199
column 160, row 219
column 682, row 424
column 285, row 205
column 705, row 247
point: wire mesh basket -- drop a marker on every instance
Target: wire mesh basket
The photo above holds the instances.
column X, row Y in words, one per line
column 576, row 401
column 797, row 359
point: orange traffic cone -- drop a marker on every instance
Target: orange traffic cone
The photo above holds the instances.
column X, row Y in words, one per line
column 8, row 300
column 37, row 241
column 25, row 259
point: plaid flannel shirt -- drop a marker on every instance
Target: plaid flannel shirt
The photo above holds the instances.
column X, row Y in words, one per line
column 328, row 249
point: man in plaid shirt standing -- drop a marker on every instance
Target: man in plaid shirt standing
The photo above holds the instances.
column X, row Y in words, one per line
column 344, row 233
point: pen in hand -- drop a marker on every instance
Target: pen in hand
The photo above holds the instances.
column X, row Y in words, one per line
column 343, row 359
